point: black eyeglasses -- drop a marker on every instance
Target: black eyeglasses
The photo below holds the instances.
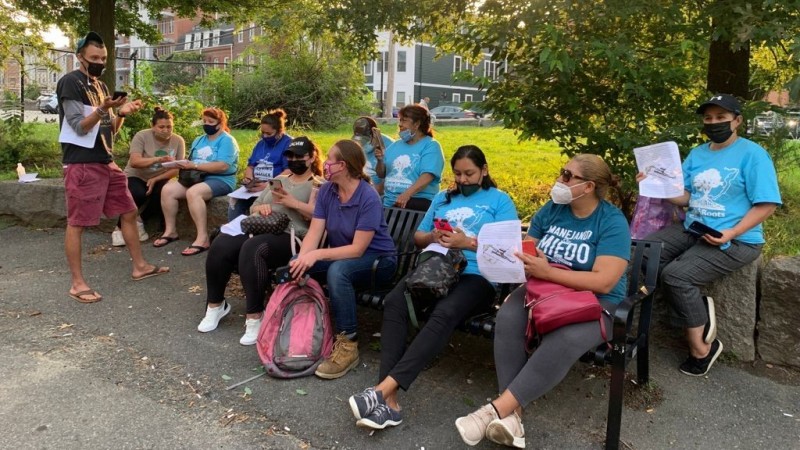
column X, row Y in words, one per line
column 567, row 175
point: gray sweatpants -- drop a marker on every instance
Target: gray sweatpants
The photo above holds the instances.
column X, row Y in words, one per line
column 687, row 263
column 530, row 378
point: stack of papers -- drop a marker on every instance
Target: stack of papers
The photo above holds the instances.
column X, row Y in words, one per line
column 29, row 178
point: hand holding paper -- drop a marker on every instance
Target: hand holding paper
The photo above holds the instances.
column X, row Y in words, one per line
column 661, row 165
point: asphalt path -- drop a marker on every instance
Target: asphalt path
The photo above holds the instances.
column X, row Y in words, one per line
column 132, row 372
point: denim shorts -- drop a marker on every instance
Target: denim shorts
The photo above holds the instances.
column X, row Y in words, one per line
column 218, row 187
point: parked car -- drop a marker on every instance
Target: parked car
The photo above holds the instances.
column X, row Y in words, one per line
column 49, row 105
column 452, row 112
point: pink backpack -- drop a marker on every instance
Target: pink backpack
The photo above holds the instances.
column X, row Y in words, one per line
column 296, row 333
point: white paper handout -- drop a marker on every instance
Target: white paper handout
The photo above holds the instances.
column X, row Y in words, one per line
column 29, row 178
column 69, row 136
column 662, row 164
column 243, row 194
column 174, row 164
column 234, row 227
column 497, row 243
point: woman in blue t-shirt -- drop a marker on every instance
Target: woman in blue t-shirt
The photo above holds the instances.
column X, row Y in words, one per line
column 473, row 202
column 349, row 210
column 730, row 185
column 216, row 155
column 266, row 162
column 368, row 135
column 412, row 167
column 581, row 230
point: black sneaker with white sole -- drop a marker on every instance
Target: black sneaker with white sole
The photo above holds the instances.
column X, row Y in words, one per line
column 363, row 403
column 381, row 417
column 710, row 330
column 697, row 367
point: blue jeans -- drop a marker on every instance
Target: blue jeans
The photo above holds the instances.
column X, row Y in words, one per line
column 342, row 278
column 240, row 207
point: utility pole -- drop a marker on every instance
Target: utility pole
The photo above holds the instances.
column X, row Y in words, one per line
column 134, row 57
column 22, row 84
column 388, row 107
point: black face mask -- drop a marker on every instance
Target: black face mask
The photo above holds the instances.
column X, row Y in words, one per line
column 718, row 132
column 297, row 166
column 95, row 69
column 210, row 129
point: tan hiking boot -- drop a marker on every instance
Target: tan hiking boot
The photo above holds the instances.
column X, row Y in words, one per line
column 343, row 358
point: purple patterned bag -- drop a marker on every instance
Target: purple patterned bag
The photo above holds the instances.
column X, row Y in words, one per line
column 653, row 214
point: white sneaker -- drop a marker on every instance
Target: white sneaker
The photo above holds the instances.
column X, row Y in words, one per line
column 508, row 431
column 143, row 236
column 116, row 238
column 251, row 328
column 212, row 318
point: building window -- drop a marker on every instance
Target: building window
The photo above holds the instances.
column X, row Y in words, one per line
column 456, row 98
column 468, row 66
column 226, row 60
column 467, row 97
column 456, row 64
column 251, row 33
column 216, row 38
column 383, row 64
column 401, row 61
column 490, row 69
column 368, row 68
column 216, row 62
column 400, row 98
column 240, row 37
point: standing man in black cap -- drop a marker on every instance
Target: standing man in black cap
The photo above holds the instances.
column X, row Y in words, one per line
column 730, row 188
column 94, row 184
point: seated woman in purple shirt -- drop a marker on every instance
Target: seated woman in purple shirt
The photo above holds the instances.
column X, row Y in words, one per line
column 350, row 211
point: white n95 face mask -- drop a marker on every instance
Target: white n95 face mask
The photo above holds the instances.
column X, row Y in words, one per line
column 561, row 194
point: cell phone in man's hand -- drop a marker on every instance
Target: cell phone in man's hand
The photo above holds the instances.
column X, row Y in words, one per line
column 119, row 94
column 699, row 229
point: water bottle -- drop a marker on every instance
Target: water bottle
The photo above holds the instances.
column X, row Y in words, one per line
column 20, row 170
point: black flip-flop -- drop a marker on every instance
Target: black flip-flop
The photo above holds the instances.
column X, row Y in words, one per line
column 169, row 240
column 199, row 248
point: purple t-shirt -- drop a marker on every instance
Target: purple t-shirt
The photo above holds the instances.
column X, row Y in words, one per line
column 363, row 212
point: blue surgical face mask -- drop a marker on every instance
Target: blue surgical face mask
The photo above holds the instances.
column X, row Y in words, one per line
column 406, row 135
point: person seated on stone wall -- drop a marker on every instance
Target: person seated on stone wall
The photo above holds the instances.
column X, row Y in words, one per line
column 374, row 144
column 579, row 229
column 213, row 159
column 266, row 162
column 730, row 186
column 412, row 167
column 258, row 256
column 473, row 201
column 146, row 176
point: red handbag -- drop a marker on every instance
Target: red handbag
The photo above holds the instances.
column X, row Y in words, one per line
column 551, row 306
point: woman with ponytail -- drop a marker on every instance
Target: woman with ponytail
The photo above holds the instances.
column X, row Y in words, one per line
column 349, row 210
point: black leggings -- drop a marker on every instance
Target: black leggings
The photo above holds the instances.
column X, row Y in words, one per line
column 138, row 190
column 418, row 204
column 255, row 258
column 404, row 364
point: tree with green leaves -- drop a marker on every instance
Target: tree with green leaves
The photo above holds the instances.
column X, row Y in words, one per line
column 168, row 75
column 112, row 17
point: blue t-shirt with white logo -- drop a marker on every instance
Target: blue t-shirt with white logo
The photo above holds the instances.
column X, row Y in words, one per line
column 224, row 148
column 372, row 161
column 268, row 161
column 470, row 214
column 724, row 185
column 576, row 242
column 405, row 163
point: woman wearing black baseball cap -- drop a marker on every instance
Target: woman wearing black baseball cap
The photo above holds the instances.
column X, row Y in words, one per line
column 730, row 188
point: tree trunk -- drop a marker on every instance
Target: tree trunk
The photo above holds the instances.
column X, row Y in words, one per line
column 102, row 18
column 729, row 70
